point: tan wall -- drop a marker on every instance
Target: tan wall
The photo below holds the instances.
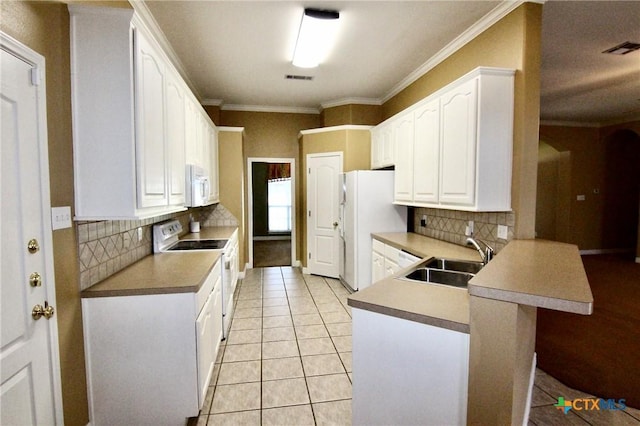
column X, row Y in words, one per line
column 232, row 183
column 368, row 115
column 44, row 27
column 513, row 42
column 213, row 112
column 355, row 146
column 272, row 135
column 587, row 173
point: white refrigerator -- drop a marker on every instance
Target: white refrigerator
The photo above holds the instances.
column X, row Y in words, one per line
column 366, row 206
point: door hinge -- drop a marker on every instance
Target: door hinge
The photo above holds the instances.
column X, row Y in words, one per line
column 309, row 213
column 309, row 170
column 309, row 255
column 35, row 76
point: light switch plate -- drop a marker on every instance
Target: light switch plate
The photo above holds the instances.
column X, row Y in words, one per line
column 503, row 232
column 580, row 197
column 60, row 217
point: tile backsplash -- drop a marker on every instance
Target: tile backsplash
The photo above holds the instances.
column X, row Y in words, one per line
column 107, row 247
column 450, row 225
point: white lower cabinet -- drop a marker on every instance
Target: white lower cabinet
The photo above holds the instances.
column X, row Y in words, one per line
column 407, row 373
column 150, row 358
column 384, row 260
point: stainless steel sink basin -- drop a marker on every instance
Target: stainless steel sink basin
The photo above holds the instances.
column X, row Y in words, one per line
column 439, row 276
column 451, row 272
column 454, row 265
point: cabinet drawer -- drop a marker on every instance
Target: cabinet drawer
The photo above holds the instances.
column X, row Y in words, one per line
column 392, row 253
column 378, row 246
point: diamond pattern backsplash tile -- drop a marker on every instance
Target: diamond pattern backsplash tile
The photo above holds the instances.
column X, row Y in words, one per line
column 450, row 225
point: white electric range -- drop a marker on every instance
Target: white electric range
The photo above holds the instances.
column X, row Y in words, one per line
column 166, row 240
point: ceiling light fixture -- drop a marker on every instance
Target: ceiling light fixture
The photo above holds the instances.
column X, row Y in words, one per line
column 316, row 36
column 623, row 48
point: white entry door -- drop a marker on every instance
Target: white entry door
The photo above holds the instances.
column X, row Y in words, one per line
column 29, row 365
column 323, row 201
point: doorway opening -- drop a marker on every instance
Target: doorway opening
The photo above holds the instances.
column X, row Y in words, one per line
column 622, row 192
column 271, row 212
column 553, row 207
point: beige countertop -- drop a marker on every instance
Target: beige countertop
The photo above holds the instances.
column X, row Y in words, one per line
column 528, row 272
column 544, row 274
column 432, row 304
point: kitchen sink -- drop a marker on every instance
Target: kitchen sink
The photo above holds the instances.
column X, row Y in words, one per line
column 451, row 272
column 439, row 276
column 468, row 266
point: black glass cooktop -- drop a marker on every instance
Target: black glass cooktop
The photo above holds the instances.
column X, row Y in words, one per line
column 199, row 245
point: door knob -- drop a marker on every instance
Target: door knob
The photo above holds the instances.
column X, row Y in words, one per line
column 335, row 224
column 33, row 246
column 35, row 280
column 42, row 311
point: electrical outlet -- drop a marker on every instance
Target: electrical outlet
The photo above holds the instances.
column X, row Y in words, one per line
column 468, row 231
column 423, row 221
column 139, row 234
column 580, row 197
column 503, row 232
column 60, row 217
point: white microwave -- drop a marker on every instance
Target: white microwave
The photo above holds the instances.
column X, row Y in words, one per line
column 197, row 186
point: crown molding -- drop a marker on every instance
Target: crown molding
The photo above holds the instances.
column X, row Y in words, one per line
column 351, row 101
column 268, row 108
column 212, row 102
column 334, row 128
column 144, row 14
column 499, row 12
column 231, row 129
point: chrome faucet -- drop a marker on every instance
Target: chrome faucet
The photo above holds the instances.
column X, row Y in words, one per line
column 487, row 254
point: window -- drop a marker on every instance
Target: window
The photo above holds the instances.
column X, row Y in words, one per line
column 279, row 199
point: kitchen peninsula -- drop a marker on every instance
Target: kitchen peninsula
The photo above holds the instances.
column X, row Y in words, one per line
column 458, row 356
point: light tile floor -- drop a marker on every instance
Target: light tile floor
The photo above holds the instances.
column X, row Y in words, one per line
column 287, row 360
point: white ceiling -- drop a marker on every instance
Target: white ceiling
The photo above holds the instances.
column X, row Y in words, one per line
column 238, row 52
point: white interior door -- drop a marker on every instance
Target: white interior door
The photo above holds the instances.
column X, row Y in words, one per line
column 30, row 384
column 323, row 201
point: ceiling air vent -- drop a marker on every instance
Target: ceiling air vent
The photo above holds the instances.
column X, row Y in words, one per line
column 298, row 77
column 623, row 48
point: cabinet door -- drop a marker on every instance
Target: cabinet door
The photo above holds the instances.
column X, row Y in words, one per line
column 458, row 148
column 191, row 130
column 426, row 152
column 175, row 139
column 150, row 138
column 387, row 147
column 214, row 182
column 206, row 345
column 376, row 141
column 403, row 140
column 377, row 267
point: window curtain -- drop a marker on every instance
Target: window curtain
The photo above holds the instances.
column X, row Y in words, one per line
column 278, row 172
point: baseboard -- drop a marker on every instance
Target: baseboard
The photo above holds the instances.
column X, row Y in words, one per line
column 305, row 270
column 532, row 379
column 296, row 264
column 605, row 251
column 273, row 238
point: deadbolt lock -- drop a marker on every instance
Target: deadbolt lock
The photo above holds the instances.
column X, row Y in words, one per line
column 35, row 279
column 42, row 311
column 33, row 246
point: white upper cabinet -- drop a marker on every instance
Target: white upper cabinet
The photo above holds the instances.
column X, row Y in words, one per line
column 454, row 148
column 176, row 133
column 134, row 119
column 403, row 142
column 382, row 147
column 426, row 152
column 458, row 154
column 214, row 179
column 151, row 154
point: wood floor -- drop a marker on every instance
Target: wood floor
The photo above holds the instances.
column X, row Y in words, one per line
column 600, row 353
column 271, row 253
